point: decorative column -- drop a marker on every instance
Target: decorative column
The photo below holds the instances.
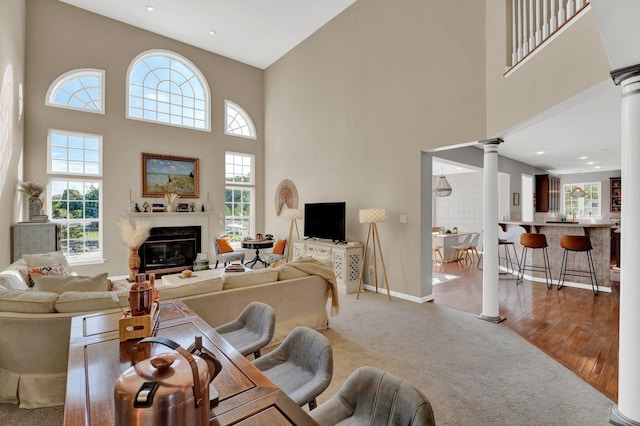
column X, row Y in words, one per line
column 627, row 412
column 490, row 291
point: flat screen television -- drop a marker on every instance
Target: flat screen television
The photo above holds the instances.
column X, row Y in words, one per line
column 325, row 221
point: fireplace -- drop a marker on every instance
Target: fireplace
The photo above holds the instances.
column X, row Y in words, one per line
column 170, row 249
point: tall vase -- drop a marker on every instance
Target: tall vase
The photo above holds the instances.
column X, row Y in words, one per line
column 35, row 207
column 134, row 264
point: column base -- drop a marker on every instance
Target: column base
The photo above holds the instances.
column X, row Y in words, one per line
column 619, row 419
column 496, row 320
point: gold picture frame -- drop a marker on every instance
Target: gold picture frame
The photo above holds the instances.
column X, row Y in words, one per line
column 162, row 174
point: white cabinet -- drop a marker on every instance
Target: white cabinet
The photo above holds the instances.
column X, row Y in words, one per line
column 346, row 258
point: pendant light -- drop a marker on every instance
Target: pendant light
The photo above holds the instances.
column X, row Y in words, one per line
column 577, row 192
column 442, row 187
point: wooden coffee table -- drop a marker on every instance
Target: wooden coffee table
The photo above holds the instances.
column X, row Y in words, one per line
column 97, row 358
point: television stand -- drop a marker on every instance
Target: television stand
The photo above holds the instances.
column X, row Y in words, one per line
column 347, row 259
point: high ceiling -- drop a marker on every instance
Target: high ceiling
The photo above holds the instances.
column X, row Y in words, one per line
column 255, row 32
column 259, row 32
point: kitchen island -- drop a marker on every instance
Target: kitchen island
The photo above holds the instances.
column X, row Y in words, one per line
column 598, row 233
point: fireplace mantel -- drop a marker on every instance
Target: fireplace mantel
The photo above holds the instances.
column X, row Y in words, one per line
column 179, row 219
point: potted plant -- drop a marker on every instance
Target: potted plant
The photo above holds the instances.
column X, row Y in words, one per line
column 33, row 190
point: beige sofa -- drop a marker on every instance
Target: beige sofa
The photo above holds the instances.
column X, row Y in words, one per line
column 35, row 325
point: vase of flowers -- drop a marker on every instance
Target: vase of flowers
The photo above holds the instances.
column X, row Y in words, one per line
column 33, row 190
column 169, row 199
column 133, row 235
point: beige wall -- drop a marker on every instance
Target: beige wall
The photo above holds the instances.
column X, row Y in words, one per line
column 573, row 62
column 349, row 110
column 12, row 64
column 61, row 38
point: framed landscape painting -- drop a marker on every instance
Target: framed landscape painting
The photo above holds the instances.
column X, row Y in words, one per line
column 166, row 173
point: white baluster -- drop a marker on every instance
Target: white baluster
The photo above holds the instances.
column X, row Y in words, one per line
column 571, row 9
column 579, row 4
column 553, row 20
column 561, row 13
column 514, row 33
column 532, row 30
column 525, row 33
column 538, row 26
column 545, row 19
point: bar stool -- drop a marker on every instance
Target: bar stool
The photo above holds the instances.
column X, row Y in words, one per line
column 534, row 242
column 507, row 255
column 577, row 243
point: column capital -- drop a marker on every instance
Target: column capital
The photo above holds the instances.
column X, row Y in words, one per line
column 621, row 74
column 492, row 141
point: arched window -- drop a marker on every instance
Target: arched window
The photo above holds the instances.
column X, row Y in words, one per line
column 237, row 122
column 81, row 89
column 167, row 88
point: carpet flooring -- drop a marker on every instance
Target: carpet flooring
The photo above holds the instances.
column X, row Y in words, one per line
column 472, row 371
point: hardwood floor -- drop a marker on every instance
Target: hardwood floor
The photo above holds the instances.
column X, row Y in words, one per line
column 573, row 326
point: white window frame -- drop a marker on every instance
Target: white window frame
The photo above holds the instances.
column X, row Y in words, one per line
column 230, row 185
column 93, row 257
column 59, row 82
column 581, row 214
column 186, row 63
column 241, row 112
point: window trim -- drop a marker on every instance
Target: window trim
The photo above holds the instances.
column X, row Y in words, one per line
column 251, row 186
column 582, row 185
column 192, row 67
column 70, row 75
column 252, row 128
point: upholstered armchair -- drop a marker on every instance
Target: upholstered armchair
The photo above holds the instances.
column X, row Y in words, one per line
column 277, row 254
column 252, row 330
column 371, row 396
column 224, row 252
column 302, row 366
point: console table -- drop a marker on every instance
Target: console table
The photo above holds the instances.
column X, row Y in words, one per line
column 346, row 258
column 97, row 358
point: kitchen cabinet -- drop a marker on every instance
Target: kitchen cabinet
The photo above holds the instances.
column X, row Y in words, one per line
column 616, row 194
column 547, row 193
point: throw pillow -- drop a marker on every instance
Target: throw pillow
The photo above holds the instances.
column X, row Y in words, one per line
column 278, row 247
column 54, row 269
column 224, row 245
column 45, row 259
column 60, row 284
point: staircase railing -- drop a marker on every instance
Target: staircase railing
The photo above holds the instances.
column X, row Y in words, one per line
column 535, row 22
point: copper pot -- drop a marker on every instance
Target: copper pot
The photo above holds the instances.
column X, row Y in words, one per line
column 168, row 389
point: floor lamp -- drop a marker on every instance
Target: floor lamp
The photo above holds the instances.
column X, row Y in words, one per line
column 293, row 215
column 372, row 217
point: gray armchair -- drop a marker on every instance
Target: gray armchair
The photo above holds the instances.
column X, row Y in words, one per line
column 302, row 366
column 226, row 256
column 371, row 396
column 252, row 330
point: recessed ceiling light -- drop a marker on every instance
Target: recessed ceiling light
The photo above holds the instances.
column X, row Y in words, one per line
column 212, row 33
column 150, row 8
column 540, row 152
column 597, row 167
column 582, row 158
column 591, row 162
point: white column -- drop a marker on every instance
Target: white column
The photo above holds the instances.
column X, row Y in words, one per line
column 490, row 273
column 627, row 412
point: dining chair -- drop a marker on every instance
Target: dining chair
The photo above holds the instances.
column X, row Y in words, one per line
column 436, row 249
column 460, row 251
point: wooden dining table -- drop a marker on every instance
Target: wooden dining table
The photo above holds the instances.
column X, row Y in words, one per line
column 97, row 358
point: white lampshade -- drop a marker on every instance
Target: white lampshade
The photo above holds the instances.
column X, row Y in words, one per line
column 293, row 214
column 372, row 215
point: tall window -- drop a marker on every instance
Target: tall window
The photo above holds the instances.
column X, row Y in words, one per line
column 239, row 195
column 75, row 193
column 583, row 207
column 81, row 89
column 237, row 121
column 167, row 88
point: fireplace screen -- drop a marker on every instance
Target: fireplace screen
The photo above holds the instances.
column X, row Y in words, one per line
column 170, row 249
